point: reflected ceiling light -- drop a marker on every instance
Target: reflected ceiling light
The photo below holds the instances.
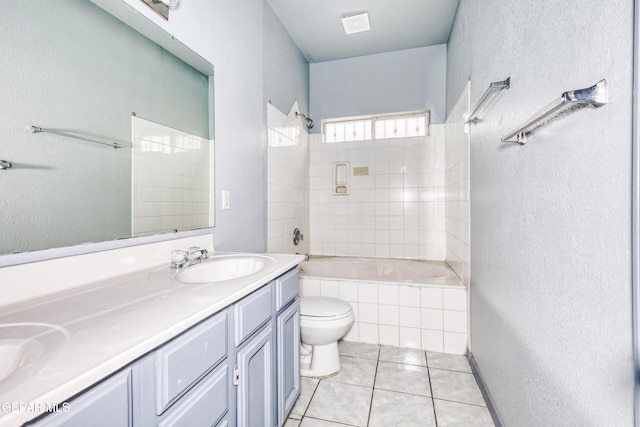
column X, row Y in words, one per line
column 356, row 23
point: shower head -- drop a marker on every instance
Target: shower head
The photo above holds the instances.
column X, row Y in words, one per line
column 307, row 121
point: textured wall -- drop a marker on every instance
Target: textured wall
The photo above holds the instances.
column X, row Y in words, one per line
column 412, row 79
column 550, row 221
column 254, row 61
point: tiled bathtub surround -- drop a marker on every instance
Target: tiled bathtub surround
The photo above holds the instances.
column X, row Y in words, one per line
column 396, row 211
column 428, row 317
column 288, row 181
column 172, row 179
column 456, row 192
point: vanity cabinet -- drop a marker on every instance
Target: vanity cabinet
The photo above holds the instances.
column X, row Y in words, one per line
column 239, row 367
column 287, row 321
column 185, row 382
column 106, row 404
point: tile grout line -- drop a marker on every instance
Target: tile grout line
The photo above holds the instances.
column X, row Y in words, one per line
column 433, row 403
column 373, row 388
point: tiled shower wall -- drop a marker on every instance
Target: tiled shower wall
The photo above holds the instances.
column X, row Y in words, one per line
column 288, row 206
column 456, row 181
column 396, row 211
column 172, row 184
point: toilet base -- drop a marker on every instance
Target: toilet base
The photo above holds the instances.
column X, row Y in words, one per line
column 325, row 361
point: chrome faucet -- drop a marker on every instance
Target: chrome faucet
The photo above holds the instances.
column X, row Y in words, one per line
column 193, row 255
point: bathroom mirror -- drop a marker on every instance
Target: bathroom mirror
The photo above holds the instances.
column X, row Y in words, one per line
column 72, row 68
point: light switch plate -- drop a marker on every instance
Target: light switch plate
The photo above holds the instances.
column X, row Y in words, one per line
column 225, row 199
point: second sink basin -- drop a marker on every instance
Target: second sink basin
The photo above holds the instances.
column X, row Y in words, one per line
column 222, row 267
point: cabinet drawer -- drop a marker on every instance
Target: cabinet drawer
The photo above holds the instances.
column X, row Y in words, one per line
column 181, row 362
column 251, row 313
column 205, row 405
column 287, row 288
column 107, row 404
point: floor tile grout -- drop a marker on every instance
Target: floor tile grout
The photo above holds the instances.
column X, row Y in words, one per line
column 410, row 353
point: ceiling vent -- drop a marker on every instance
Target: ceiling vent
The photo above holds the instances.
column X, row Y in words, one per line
column 356, row 23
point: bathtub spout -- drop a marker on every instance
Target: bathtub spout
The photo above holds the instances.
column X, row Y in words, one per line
column 306, row 256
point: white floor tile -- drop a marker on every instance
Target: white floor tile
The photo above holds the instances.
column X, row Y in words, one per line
column 387, row 386
column 342, row 403
column 460, row 414
column 390, row 408
column 455, row 386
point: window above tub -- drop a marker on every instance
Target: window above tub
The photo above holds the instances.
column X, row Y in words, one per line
column 369, row 128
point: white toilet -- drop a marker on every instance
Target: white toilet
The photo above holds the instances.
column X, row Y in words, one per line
column 323, row 321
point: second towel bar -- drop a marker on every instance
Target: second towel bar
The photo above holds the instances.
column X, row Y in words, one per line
column 595, row 96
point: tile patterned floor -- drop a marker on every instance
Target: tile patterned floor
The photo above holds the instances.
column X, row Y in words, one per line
column 382, row 386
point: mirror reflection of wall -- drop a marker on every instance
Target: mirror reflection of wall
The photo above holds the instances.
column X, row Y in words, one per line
column 72, row 67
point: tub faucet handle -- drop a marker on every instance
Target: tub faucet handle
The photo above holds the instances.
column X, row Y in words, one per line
column 297, row 236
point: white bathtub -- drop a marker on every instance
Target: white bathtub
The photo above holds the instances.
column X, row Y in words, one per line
column 406, row 303
column 380, row 270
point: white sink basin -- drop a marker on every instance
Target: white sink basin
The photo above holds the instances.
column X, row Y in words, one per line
column 222, row 267
column 26, row 344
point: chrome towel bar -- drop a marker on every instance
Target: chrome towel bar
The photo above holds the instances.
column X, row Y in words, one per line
column 595, row 96
column 5, row 165
column 493, row 88
column 37, row 129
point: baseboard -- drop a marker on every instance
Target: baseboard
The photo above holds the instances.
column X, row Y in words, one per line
column 485, row 392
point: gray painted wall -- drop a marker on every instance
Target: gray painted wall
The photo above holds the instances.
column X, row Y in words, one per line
column 235, row 37
column 551, row 220
column 406, row 80
column 286, row 71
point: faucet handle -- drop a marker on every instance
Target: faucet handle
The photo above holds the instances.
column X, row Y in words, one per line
column 178, row 258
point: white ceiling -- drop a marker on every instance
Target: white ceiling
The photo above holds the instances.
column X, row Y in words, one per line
column 395, row 25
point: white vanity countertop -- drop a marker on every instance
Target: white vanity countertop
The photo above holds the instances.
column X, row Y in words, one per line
column 101, row 327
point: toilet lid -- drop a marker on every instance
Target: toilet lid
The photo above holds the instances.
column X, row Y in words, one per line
column 323, row 306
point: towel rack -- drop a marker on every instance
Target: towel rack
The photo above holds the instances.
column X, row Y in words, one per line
column 5, row 165
column 38, row 129
column 493, row 88
column 595, row 96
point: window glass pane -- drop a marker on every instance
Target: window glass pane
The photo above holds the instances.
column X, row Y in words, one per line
column 383, row 128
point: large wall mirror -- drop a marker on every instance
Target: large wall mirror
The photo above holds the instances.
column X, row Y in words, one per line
column 72, row 68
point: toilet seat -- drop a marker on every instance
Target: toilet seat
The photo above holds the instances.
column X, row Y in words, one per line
column 324, row 308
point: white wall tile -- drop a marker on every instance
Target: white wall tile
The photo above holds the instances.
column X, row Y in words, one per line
column 349, row 291
column 310, row 287
column 368, row 333
column 409, row 296
column 388, row 294
column 433, row 340
column 431, row 319
column 368, row 292
column 455, row 321
column 410, row 317
column 389, row 335
column 455, row 299
column 389, row 315
column 410, row 338
column 353, row 335
column 330, row 288
column 368, row 313
column 392, row 189
column 431, row 298
column 455, row 343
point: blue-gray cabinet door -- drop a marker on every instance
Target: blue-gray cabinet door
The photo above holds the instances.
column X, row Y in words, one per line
column 255, row 381
column 288, row 333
